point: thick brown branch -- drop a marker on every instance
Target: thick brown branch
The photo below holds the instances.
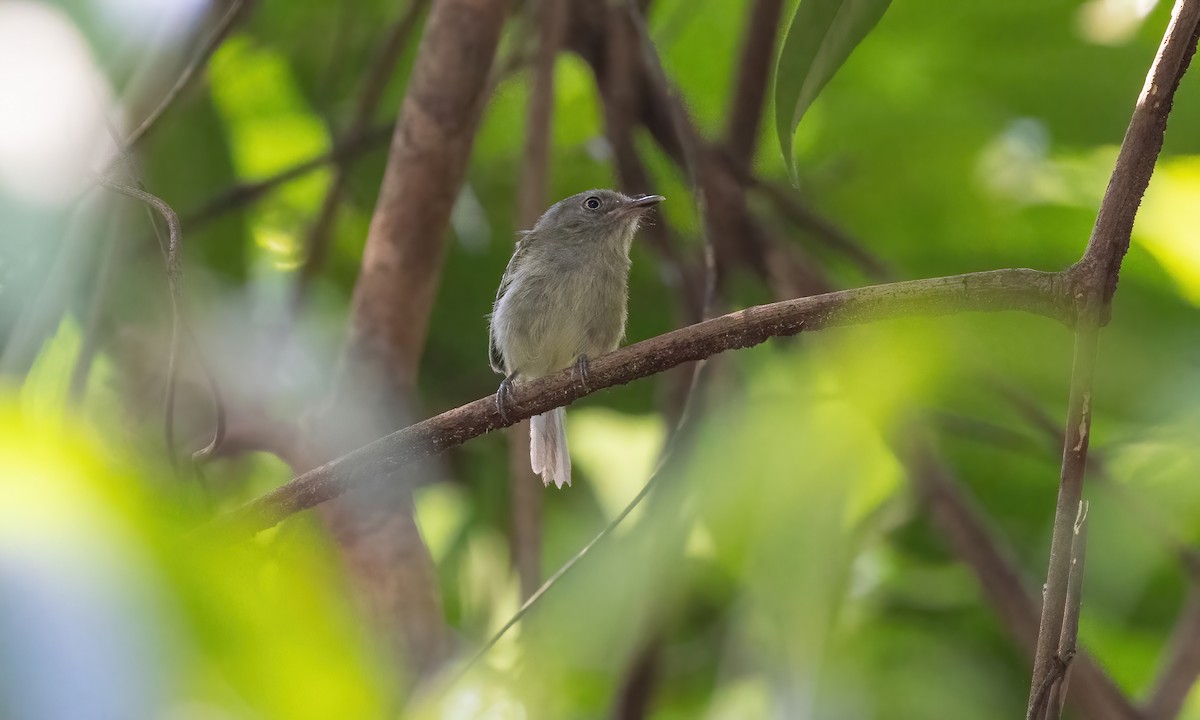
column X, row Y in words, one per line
column 405, row 245
column 393, row 300
column 1031, row 291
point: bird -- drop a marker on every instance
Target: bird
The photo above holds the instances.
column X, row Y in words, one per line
column 563, row 299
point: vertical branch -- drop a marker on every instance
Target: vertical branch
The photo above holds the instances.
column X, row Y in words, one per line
column 618, row 87
column 1095, row 281
column 1068, row 641
column 430, row 148
column 750, row 85
column 1047, row 661
column 968, row 534
column 526, row 491
column 393, row 299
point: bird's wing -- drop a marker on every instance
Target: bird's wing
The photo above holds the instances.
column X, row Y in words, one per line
column 495, row 357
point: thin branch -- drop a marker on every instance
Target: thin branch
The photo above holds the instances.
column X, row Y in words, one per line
column 1095, row 280
column 1078, row 435
column 242, row 194
column 345, row 148
column 558, row 574
column 1068, row 641
column 1040, row 293
column 224, row 26
column 968, row 534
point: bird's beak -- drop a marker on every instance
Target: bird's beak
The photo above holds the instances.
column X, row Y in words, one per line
column 646, row 201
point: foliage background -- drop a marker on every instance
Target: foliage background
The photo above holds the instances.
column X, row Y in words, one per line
column 786, row 568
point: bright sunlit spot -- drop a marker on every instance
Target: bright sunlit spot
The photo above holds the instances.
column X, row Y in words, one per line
column 1112, row 22
column 1168, row 220
column 52, row 125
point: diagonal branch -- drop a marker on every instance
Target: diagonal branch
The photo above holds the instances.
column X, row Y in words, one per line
column 1040, row 293
column 1095, row 279
column 224, row 26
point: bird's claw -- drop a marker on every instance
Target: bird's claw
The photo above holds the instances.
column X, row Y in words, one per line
column 580, row 372
column 503, row 397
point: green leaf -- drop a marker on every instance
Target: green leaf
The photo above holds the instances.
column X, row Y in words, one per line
column 820, row 38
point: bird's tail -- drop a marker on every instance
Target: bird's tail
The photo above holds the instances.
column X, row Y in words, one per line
column 548, row 447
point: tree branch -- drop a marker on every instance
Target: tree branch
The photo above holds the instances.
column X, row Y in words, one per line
column 220, row 32
column 750, row 85
column 1040, row 293
column 1095, row 279
column 242, row 194
column 393, row 300
column 968, row 536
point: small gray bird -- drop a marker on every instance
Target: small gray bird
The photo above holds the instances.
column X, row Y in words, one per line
column 563, row 299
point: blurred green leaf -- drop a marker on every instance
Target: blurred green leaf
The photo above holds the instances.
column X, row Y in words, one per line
column 821, row 36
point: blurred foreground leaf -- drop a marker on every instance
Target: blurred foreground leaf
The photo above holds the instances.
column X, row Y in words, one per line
column 821, row 36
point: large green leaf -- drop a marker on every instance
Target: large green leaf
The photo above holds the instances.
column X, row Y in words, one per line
column 820, row 38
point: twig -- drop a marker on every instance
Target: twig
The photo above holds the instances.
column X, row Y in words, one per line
column 218, row 35
column 1095, row 280
column 1078, row 435
column 1068, row 641
column 239, row 195
column 1031, row 291
column 1044, row 699
column 969, row 536
column 558, row 574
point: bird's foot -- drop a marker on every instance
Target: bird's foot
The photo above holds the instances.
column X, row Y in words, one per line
column 580, row 372
column 504, row 397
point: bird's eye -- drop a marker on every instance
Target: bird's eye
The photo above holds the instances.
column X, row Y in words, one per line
column 592, row 203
